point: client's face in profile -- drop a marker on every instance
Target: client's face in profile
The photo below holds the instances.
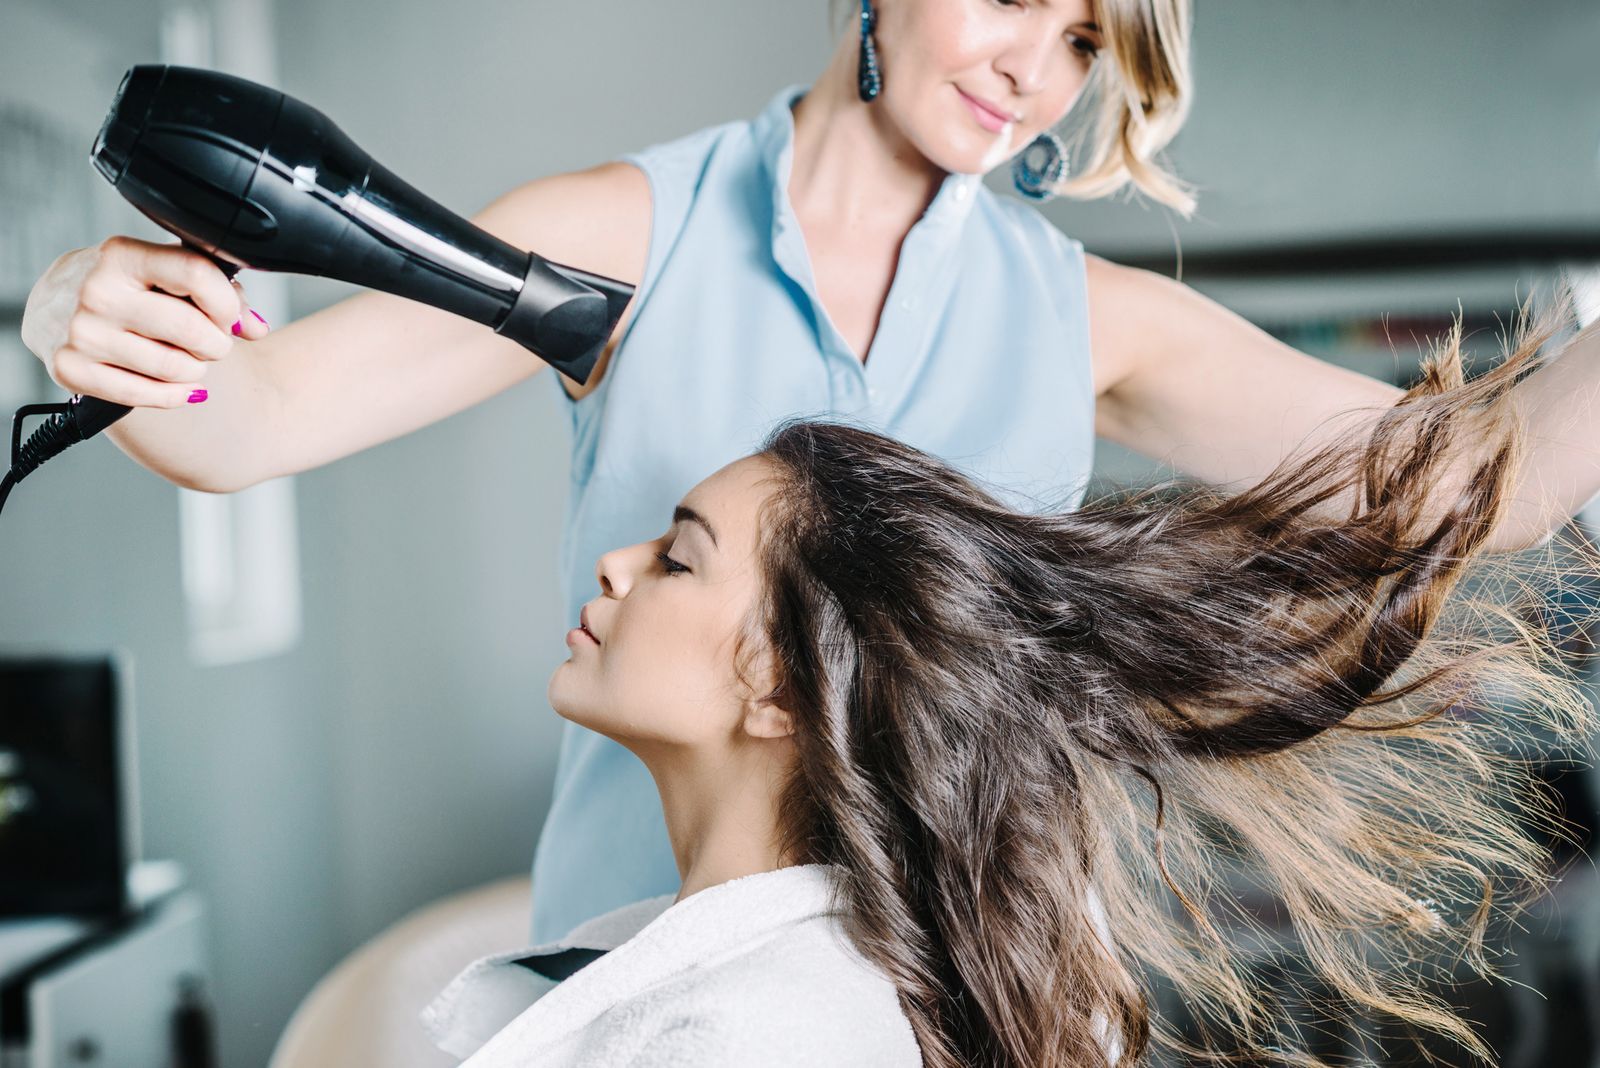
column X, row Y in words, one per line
column 655, row 666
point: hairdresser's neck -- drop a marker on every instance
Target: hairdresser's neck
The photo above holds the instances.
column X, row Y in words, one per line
column 721, row 812
column 851, row 167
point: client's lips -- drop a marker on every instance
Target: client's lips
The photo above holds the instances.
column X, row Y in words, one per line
column 583, row 624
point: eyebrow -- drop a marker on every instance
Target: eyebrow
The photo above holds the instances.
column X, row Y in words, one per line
column 685, row 514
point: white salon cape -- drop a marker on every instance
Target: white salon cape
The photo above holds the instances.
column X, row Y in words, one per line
column 754, row 971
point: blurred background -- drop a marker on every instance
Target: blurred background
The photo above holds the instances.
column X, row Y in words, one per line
column 324, row 706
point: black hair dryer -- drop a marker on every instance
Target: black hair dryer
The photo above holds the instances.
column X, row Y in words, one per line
column 254, row 178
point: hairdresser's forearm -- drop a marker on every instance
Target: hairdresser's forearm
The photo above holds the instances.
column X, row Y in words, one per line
column 360, row 372
column 1557, row 407
column 217, row 445
column 375, row 366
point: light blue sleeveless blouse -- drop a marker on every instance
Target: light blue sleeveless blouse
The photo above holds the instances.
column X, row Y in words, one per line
column 981, row 358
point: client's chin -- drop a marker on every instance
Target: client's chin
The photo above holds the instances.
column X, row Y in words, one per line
column 571, row 704
column 559, row 692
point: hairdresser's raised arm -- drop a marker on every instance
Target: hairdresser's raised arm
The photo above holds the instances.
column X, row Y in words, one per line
column 1186, row 382
column 1557, row 407
column 363, row 371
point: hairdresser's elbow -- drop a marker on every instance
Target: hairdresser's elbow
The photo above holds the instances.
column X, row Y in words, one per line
column 207, row 479
column 199, row 482
column 205, row 485
column 220, row 482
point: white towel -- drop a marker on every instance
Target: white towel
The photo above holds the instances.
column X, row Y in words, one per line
column 754, row 971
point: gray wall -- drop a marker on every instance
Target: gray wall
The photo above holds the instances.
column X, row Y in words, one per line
column 1377, row 117
column 405, row 749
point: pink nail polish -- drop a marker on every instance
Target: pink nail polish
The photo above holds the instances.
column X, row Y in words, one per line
column 262, row 321
column 237, row 328
column 198, row 396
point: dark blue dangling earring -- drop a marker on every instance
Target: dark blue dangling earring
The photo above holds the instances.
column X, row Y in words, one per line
column 1040, row 167
column 869, row 81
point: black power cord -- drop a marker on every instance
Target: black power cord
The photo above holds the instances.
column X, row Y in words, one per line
column 66, row 424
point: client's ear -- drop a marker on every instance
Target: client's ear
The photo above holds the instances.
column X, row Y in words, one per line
column 763, row 716
column 764, row 719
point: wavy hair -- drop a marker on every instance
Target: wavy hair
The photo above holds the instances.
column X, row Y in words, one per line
column 1138, row 96
column 1046, row 749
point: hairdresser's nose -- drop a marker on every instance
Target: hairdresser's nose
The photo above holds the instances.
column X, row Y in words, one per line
column 1025, row 62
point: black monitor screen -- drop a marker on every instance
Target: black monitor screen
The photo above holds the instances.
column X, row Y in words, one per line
column 61, row 838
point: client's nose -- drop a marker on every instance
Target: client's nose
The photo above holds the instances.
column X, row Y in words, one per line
column 616, row 569
column 603, row 570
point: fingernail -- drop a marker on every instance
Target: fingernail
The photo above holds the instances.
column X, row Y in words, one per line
column 237, row 328
column 263, row 321
column 198, row 396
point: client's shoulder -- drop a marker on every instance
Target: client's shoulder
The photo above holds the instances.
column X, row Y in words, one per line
column 803, row 995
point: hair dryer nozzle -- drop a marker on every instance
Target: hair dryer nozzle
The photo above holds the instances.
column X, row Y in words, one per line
column 565, row 314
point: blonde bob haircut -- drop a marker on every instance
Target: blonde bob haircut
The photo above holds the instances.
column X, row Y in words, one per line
column 1135, row 101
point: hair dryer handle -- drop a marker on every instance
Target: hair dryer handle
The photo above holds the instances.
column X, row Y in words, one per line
column 93, row 415
column 90, row 415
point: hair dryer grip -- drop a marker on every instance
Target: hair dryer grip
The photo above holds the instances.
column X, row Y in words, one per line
column 86, row 416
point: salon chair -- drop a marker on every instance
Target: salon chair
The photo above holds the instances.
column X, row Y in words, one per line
column 363, row 1014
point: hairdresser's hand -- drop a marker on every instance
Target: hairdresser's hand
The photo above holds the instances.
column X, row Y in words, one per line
column 135, row 323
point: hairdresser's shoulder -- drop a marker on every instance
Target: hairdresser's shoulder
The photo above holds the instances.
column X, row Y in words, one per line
column 1024, row 222
column 690, row 150
column 597, row 219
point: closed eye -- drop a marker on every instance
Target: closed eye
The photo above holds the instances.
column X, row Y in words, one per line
column 671, row 566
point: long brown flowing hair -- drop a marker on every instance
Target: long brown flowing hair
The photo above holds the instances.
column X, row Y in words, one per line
column 1045, row 748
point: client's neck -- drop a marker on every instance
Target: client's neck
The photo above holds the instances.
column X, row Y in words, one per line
column 722, row 811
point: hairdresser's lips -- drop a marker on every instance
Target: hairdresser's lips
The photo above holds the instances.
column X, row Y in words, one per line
column 991, row 118
column 582, row 633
